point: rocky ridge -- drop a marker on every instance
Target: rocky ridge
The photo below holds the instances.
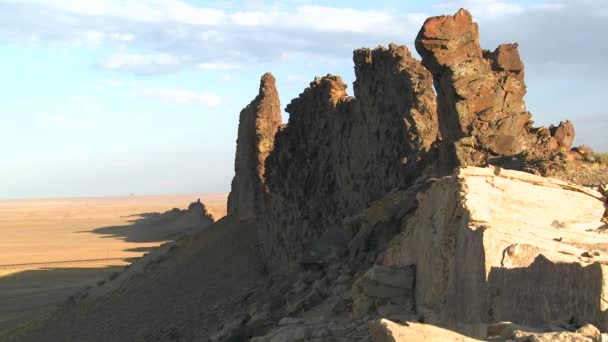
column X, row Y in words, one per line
column 337, row 154
column 348, row 178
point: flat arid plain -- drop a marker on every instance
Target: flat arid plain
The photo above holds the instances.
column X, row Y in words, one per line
column 53, row 247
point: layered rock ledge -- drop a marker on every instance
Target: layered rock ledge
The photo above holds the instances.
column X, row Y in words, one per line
column 491, row 244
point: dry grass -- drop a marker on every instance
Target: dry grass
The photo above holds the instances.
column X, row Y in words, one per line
column 601, row 158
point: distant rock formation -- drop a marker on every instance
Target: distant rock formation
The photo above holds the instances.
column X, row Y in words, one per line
column 258, row 124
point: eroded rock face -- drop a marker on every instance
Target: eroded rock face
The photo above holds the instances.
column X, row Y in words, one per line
column 497, row 245
column 479, row 93
column 258, row 124
column 339, row 153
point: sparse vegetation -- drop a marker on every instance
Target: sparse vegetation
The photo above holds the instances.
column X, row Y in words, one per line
column 601, row 158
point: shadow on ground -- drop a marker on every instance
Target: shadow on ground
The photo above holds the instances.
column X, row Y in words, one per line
column 154, row 227
column 24, row 294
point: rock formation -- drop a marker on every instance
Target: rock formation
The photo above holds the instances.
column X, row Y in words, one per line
column 339, row 153
column 347, row 175
column 481, row 109
column 563, row 134
column 258, row 124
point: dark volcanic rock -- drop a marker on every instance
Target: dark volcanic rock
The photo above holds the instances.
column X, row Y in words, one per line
column 563, row 134
column 479, row 93
column 339, row 153
column 258, row 124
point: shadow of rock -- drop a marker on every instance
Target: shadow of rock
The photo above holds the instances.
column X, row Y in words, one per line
column 549, row 291
column 156, row 227
column 24, row 294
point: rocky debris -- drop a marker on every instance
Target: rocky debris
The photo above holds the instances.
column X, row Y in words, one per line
column 563, row 134
column 486, row 249
column 387, row 290
column 508, row 331
column 292, row 329
column 258, row 124
column 337, row 153
column 384, row 330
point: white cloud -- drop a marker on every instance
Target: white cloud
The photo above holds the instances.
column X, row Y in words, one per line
column 483, row 8
column 177, row 35
column 180, row 96
column 218, row 66
column 169, row 29
column 144, row 64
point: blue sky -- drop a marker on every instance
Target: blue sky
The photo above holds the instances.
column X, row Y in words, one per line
column 142, row 96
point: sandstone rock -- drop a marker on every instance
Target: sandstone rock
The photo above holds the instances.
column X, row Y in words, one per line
column 563, row 134
column 502, row 331
column 591, row 331
column 382, row 285
column 485, row 250
column 386, row 331
column 258, row 124
column 551, row 337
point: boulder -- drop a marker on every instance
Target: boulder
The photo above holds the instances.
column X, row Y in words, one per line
column 382, row 285
column 384, row 330
column 498, row 245
column 563, row 134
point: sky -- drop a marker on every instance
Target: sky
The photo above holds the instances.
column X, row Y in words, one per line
column 119, row 97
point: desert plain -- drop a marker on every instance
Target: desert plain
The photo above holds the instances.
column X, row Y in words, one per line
column 53, row 247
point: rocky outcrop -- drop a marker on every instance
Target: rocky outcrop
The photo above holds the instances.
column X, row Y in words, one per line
column 347, row 174
column 460, row 106
column 482, row 114
column 497, row 245
column 563, row 134
column 339, row 153
column 258, row 124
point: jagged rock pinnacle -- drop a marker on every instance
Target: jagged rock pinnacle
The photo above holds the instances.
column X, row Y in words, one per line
column 258, row 124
